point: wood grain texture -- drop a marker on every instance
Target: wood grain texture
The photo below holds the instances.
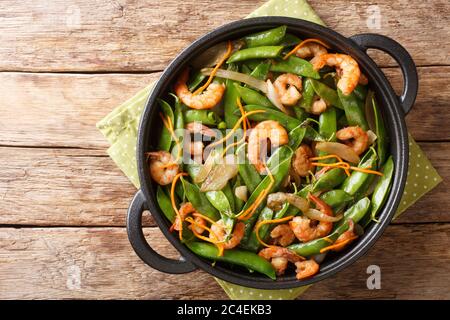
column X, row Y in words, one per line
column 56, row 187
column 62, row 109
column 138, row 35
column 98, row 263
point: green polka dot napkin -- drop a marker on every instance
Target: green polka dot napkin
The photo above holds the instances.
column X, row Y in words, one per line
column 120, row 128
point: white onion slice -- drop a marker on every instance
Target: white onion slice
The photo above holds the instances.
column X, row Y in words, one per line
column 372, row 136
column 273, row 96
column 237, row 76
column 206, row 168
column 339, row 149
column 298, row 202
column 220, row 174
column 241, row 192
column 315, row 214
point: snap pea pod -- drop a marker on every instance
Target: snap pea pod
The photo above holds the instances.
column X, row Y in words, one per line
column 263, row 52
column 354, row 110
column 328, row 94
column 192, row 169
column 247, row 171
column 383, row 187
column 253, row 243
column 271, row 114
column 242, row 258
column 206, row 117
column 250, row 96
column 279, row 164
column 300, row 113
column 380, row 131
column 329, row 180
column 253, row 63
column 295, row 65
column 228, row 191
column 195, row 80
column 246, row 69
column 311, row 134
column 220, row 201
column 266, row 38
column 307, row 95
column 336, row 199
column 311, row 248
column 327, row 129
column 229, row 101
column 360, row 92
column 178, row 125
column 289, row 40
column 166, row 207
column 238, row 203
column 353, row 184
column 199, row 200
column 296, row 136
column 261, row 71
column 165, row 139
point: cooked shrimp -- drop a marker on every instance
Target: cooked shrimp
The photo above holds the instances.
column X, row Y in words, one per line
column 185, row 210
column 303, row 228
column 346, row 67
column 301, row 163
column 279, row 257
column 163, row 167
column 359, row 140
column 219, row 234
column 306, row 269
column 206, row 100
column 288, row 87
column 346, row 238
column 310, row 49
column 318, row 106
column 282, row 235
column 263, row 131
column 198, row 127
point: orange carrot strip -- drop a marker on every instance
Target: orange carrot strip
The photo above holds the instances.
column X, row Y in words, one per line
column 302, row 44
column 261, row 223
column 366, row 171
column 214, row 71
column 172, row 200
column 338, row 245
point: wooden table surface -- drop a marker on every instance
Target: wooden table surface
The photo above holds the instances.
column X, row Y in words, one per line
column 65, row 64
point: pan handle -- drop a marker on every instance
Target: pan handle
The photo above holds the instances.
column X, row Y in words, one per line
column 403, row 58
column 143, row 250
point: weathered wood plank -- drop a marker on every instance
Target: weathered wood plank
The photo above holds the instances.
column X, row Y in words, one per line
column 53, row 187
column 62, row 109
column 135, row 35
column 99, row 263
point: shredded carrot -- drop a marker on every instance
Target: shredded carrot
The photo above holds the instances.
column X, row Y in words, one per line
column 214, row 71
column 328, row 240
column 341, row 164
column 329, row 157
column 338, row 245
column 168, row 124
column 261, row 223
column 172, row 200
column 196, row 214
column 301, row 44
column 366, row 171
column 216, row 242
column 241, row 108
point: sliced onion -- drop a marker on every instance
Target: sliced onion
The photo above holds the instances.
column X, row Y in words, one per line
column 298, row 202
column 212, row 56
column 319, row 257
column 220, row 174
column 315, row 214
column 206, row 168
column 237, row 76
column 339, row 149
column 241, row 192
column 273, row 96
column 372, row 136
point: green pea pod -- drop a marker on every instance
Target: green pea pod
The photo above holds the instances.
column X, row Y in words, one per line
column 296, row 137
column 326, row 93
column 336, row 198
column 263, row 52
column 250, row 96
column 206, row 117
column 353, row 184
column 247, row 171
column 311, row 248
column 295, row 65
column 360, row 92
column 253, row 243
column 311, row 134
column 266, row 38
column 329, row 180
column 229, row 193
column 383, row 187
column 290, row 40
column 279, row 164
column 252, row 64
column 229, row 104
column 199, row 200
column 166, row 207
column 220, row 201
column 242, row 258
column 261, row 71
column 300, row 113
column 380, row 131
column 327, row 129
column 271, row 114
column 195, row 80
column 307, row 96
column 246, row 69
column 289, row 210
column 165, row 139
column 354, row 110
column 238, row 203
